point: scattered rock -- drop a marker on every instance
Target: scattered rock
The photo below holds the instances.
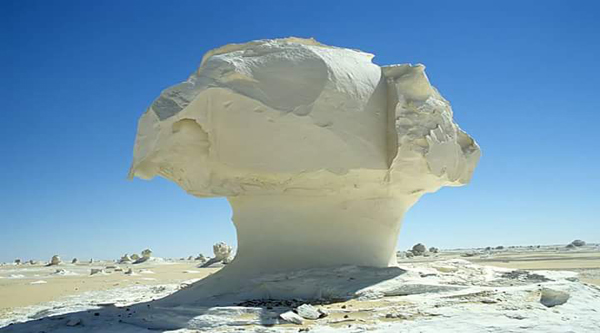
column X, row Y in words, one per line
column 308, row 311
column 292, row 317
column 551, row 297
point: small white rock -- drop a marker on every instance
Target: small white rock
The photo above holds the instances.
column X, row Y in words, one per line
column 292, row 317
column 308, row 311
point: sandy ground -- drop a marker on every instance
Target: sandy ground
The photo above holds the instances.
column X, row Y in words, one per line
column 18, row 287
column 585, row 261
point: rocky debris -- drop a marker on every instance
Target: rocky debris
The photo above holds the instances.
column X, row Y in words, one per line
column 292, row 317
column 308, row 311
column 54, row 261
column 74, row 261
column 73, row 322
column 524, row 276
column 418, row 249
column 396, row 316
column 578, row 243
column 222, row 253
column 551, row 297
column 125, row 259
column 434, row 250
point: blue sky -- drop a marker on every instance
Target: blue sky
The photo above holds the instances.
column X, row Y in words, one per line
column 523, row 78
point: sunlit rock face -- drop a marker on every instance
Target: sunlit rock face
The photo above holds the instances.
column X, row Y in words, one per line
column 319, row 151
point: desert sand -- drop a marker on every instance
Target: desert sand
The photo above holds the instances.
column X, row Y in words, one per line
column 433, row 289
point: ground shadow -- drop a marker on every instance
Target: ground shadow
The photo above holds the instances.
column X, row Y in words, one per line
column 217, row 300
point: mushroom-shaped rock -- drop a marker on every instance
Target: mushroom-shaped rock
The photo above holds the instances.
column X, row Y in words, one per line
column 319, row 151
column 54, row 261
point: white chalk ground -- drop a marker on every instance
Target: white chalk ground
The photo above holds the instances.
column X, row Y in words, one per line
column 431, row 296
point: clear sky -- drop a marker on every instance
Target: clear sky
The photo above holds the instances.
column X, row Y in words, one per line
column 523, row 78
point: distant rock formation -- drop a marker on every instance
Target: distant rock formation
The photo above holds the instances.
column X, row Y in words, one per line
column 74, row 261
column 419, row 249
column 135, row 257
column 18, row 261
column 125, row 259
column 200, row 258
column 146, row 255
column 434, row 250
column 222, row 253
column 578, row 243
column 54, row 261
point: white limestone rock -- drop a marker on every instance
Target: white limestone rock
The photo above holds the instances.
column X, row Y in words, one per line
column 319, row 151
column 54, row 261
column 125, row 259
column 308, row 311
column 292, row 317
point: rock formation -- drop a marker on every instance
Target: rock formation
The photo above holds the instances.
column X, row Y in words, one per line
column 54, row 261
column 125, row 259
column 578, row 243
column 74, row 261
column 17, row 261
column 135, row 257
column 418, row 249
column 222, row 253
column 146, row 255
column 319, row 151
